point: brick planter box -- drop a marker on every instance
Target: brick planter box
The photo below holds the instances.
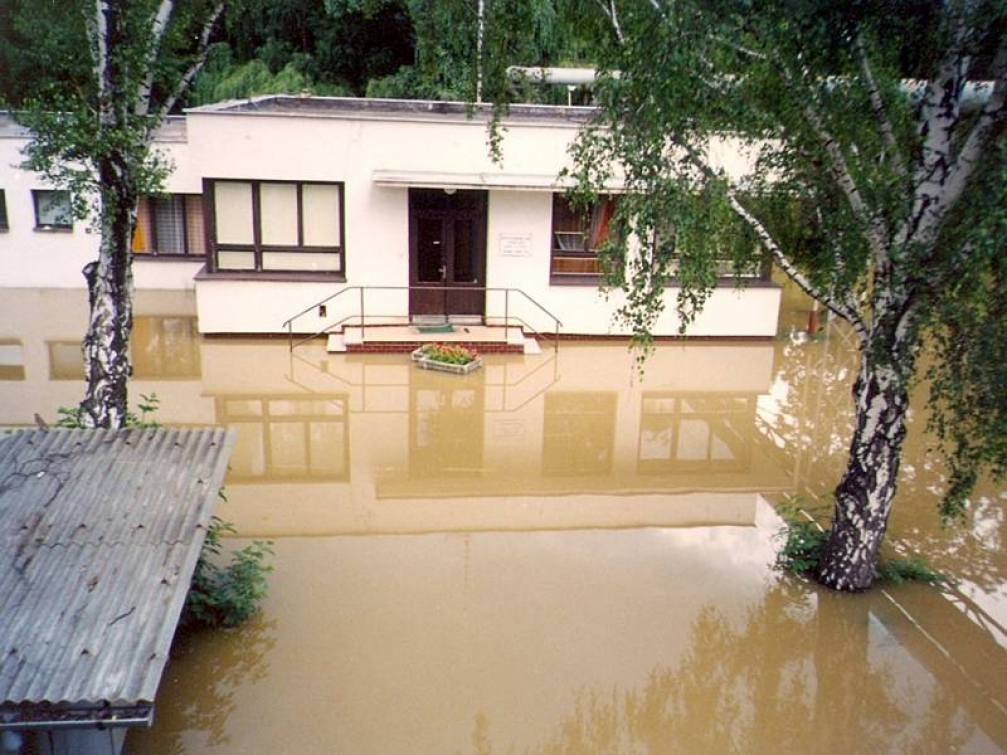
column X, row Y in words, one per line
column 427, row 363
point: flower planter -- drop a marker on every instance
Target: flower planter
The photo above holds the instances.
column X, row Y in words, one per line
column 426, row 363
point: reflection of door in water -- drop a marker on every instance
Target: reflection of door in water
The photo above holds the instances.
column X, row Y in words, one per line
column 447, row 258
column 446, row 429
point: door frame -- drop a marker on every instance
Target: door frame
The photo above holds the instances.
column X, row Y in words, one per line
column 451, row 298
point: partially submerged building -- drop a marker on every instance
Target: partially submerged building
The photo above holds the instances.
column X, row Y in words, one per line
column 351, row 212
column 100, row 532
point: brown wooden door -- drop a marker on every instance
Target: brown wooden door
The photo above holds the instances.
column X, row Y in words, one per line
column 447, row 252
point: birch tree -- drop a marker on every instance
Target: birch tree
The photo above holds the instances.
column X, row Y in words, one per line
column 92, row 135
column 878, row 185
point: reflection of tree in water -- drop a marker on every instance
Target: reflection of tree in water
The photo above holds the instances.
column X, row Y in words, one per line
column 199, row 696
column 797, row 676
column 811, row 428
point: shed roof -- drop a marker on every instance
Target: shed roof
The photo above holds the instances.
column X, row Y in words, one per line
column 100, row 531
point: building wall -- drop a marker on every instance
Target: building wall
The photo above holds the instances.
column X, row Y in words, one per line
column 31, row 258
column 376, row 229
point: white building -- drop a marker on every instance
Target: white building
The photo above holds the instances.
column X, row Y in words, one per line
column 392, row 211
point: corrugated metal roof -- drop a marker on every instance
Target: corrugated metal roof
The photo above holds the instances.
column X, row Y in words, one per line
column 100, row 532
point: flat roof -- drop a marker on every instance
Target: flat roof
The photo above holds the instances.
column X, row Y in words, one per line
column 100, row 531
column 387, row 109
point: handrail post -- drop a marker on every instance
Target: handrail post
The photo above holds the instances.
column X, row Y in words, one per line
column 363, row 316
column 290, row 336
column 506, row 313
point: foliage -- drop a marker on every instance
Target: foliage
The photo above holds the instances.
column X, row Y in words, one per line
column 879, row 197
column 898, row 571
column 803, row 541
column 226, row 596
column 225, row 80
column 449, row 354
column 73, row 417
column 325, row 47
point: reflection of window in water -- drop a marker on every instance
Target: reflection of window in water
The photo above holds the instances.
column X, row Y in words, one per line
column 11, row 359
column 579, row 433
column 287, row 438
column 165, row 347
column 161, row 348
column 66, row 360
column 695, row 432
column 446, row 431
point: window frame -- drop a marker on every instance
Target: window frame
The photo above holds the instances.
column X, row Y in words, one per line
column 52, row 228
column 556, row 249
column 153, row 253
column 257, row 247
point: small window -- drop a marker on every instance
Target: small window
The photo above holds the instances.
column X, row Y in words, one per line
column 577, row 238
column 170, row 225
column 52, row 210
column 3, row 211
column 11, row 359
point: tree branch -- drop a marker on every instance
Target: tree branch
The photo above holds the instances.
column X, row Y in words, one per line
column 939, row 115
column 96, row 27
column 878, row 107
column 989, row 123
column 613, row 17
column 197, row 66
column 164, row 12
column 874, row 226
column 846, row 310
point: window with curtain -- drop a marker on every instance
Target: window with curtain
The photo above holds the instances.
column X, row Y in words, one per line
column 263, row 226
column 577, row 237
column 170, row 225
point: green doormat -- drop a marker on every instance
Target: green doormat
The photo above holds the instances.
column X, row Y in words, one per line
column 442, row 328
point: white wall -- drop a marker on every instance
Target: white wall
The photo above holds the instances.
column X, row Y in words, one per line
column 349, row 149
column 376, row 222
column 54, row 259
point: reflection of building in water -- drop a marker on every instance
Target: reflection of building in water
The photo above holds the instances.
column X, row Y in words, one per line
column 371, row 444
column 446, row 425
column 163, row 347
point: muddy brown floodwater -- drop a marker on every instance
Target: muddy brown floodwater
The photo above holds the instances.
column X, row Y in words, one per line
column 552, row 555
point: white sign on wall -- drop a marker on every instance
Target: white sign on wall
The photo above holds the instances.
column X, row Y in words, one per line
column 515, row 245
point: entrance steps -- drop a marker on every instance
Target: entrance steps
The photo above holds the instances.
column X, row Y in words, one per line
column 405, row 338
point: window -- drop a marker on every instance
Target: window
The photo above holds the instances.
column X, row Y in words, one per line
column 277, row 226
column 576, row 238
column 698, row 433
column 287, row 438
column 11, row 359
column 170, row 225
column 3, row 211
column 578, row 435
column 52, row 210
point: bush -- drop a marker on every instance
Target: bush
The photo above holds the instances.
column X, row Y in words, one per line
column 73, row 417
column 225, row 596
column 803, row 542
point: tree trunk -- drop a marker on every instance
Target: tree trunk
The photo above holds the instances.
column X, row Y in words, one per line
column 110, row 288
column 864, row 495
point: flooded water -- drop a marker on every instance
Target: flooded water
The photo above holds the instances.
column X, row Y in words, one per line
column 551, row 555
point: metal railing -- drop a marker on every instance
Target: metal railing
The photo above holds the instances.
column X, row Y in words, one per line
column 362, row 315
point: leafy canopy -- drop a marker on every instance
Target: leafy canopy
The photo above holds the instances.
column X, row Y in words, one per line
column 879, row 196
